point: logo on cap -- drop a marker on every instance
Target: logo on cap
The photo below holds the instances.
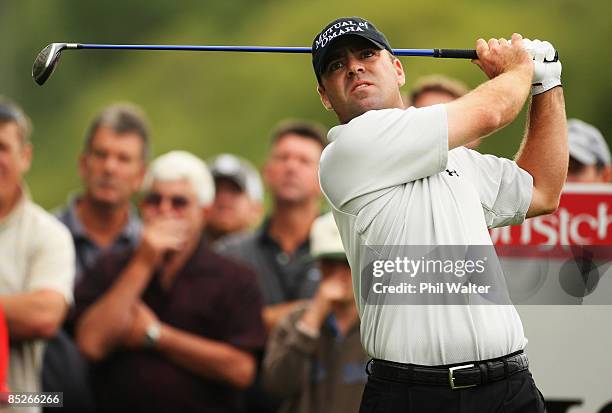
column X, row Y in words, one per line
column 340, row 28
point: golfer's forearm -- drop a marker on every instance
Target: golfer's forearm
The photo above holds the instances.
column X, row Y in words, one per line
column 105, row 322
column 488, row 108
column 506, row 94
column 544, row 151
column 208, row 358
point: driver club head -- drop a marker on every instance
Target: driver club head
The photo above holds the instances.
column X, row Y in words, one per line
column 45, row 62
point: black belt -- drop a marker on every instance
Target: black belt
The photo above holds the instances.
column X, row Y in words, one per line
column 455, row 376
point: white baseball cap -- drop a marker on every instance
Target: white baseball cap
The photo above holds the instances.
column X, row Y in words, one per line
column 586, row 143
column 239, row 171
column 325, row 241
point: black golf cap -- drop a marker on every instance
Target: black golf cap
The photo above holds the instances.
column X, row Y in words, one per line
column 344, row 26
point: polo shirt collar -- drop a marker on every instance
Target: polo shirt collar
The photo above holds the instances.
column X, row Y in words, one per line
column 129, row 233
column 263, row 232
column 263, row 236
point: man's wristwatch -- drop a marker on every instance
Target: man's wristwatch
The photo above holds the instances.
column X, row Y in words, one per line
column 152, row 334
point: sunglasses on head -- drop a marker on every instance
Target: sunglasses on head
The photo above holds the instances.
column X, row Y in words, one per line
column 177, row 201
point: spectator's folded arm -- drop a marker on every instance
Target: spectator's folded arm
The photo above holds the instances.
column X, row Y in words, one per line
column 288, row 358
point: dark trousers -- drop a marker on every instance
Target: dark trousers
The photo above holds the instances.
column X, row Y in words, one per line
column 516, row 394
column 65, row 370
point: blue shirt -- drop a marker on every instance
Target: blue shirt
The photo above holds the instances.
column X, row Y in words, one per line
column 87, row 251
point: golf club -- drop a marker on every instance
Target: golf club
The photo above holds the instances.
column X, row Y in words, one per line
column 47, row 59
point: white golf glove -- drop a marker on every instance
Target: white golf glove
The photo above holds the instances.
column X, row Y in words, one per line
column 547, row 69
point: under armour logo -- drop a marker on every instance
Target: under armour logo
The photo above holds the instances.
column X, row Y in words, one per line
column 452, row 172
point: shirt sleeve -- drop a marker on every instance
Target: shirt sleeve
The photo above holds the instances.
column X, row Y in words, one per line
column 52, row 263
column 288, row 357
column 98, row 279
column 504, row 188
column 382, row 149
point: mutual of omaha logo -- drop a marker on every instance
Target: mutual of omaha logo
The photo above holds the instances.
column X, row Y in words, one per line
column 338, row 29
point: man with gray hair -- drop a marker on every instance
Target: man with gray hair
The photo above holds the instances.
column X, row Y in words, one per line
column 111, row 166
column 101, row 219
column 170, row 325
column 589, row 160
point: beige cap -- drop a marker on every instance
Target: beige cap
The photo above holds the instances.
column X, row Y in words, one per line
column 442, row 83
column 325, row 241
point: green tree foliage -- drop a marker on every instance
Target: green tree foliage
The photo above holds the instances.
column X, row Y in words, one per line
column 224, row 102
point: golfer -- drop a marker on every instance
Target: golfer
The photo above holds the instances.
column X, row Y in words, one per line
column 403, row 177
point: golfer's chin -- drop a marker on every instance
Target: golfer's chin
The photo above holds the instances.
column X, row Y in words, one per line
column 364, row 105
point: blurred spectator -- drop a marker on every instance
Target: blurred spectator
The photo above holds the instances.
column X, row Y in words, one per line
column 314, row 358
column 170, row 325
column 278, row 249
column 100, row 219
column 111, row 167
column 36, row 259
column 436, row 89
column 589, row 160
column 238, row 204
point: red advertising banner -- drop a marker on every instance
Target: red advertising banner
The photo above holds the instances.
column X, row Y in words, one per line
column 584, row 218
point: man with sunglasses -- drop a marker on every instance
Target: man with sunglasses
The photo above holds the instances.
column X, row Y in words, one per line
column 171, row 326
column 398, row 177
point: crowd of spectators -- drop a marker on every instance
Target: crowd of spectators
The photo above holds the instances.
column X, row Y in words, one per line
column 162, row 286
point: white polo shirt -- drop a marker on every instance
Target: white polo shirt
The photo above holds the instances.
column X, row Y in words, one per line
column 36, row 252
column 391, row 180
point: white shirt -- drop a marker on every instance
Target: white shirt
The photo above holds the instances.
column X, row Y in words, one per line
column 36, row 252
column 391, row 180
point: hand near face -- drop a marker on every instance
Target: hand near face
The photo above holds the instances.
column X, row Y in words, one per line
column 335, row 289
column 336, row 286
column 142, row 318
column 162, row 236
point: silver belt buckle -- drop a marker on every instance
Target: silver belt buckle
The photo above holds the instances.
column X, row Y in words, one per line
column 451, row 379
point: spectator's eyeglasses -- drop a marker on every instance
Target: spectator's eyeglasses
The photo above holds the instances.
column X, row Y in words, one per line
column 178, row 202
